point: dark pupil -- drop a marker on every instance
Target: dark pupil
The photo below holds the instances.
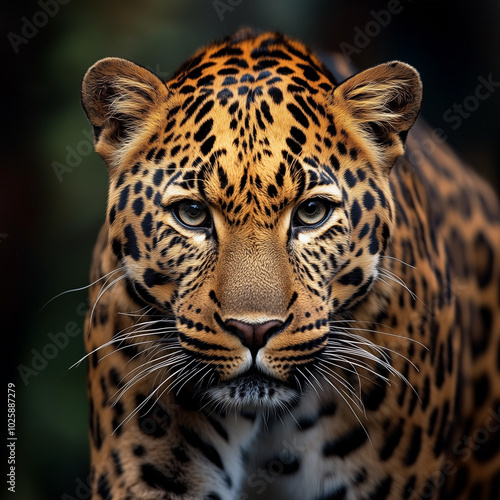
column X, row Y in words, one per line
column 311, row 208
column 193, row 210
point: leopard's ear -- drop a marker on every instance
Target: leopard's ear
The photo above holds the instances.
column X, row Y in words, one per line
column 383, row 103
column 122, row 101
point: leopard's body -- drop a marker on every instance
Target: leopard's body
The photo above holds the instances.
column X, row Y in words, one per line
column 284, row 306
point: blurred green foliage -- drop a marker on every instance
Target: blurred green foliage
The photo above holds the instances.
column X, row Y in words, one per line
column 52, row 221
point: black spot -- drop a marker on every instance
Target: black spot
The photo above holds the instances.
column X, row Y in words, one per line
column 368, row 200
column 147, row 224
column 114, row 378
column 349, row 178
column 484, row 260
column 382, row 490
column 461, row 478
column 154, row 422
column 223, row 181
column 425, row 396
column 441, row 436
column 482, row 331
column 223, row 96
column 440, row 367
column 345, row 444
column 298, row 114
column 334, row 162
column 209, row 105
column 159, row 155
column 158, row 177
column 112, row 214
column 298, row 135
column 156, row 479
column 364, row 231
column 169, row 125
column 153, row 278
column 122, row 203
column 207, row 146
column 131, row 247
column 180, row 454
column 354, row 277
column 138, row 206
column 391, row 441
column 292, row 300
column 305, row 423
column 96, row 431
column 355, row 213
column 117, row 462
column 264, row 107
column 194, row 440
column 139, row 450
column 121, row 179
column 414, row 447
column 294, row 146
column 374, row 397
column 486, row 451
column 204, row 130
column 275, row 94
column 272, row 191
column 117, row 248
column 374, row 246
column 409, row 487
column 103, row 488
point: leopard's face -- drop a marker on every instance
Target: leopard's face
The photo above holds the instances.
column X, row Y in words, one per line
column 249, row 205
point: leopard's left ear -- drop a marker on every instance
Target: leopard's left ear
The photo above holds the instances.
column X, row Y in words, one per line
column 383, row 103
column 123, row 103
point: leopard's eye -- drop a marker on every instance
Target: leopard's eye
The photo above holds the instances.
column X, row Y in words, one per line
column 313, row 212
column 192, row 214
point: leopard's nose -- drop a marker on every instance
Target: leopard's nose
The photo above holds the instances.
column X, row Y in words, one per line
column 252, row 334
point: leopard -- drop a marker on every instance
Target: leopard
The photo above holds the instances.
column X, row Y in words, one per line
column 292, row 295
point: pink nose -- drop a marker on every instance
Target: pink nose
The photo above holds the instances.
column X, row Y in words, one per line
column 254, row 335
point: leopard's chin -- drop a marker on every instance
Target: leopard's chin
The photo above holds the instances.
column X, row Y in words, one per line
column 252, row 392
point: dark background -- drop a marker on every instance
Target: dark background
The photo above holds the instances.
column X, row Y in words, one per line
column 48, row 224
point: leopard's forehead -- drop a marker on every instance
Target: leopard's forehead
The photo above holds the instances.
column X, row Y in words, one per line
column 267, row 64
column 248, row 126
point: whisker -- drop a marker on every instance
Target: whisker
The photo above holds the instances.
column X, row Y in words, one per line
column 80, row 288
column 398, row 260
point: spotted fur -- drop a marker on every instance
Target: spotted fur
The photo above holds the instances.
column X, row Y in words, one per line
column 283, row 305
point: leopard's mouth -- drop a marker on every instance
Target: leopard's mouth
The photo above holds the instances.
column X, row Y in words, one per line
column 252, row 391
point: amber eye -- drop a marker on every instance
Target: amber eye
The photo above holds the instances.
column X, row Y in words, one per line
column 192, row 214
column 313, row 212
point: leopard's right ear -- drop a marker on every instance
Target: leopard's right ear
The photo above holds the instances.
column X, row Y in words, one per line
column 123, row 102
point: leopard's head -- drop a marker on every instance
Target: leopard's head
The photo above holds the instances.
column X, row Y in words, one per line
column 249, row 203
